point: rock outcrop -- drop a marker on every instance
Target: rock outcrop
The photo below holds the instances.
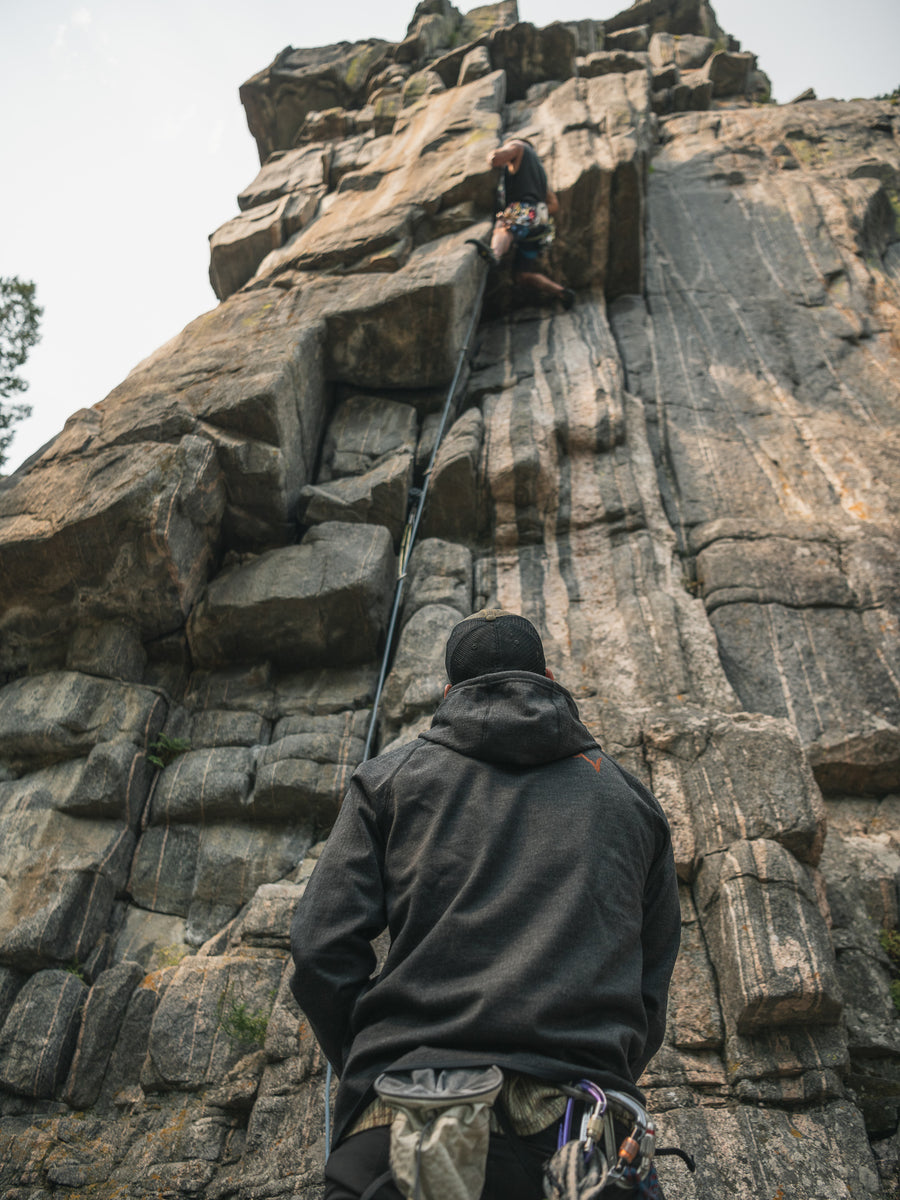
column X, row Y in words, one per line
column 687, row 481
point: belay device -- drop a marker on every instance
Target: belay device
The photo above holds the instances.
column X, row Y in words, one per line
column 599, row 1160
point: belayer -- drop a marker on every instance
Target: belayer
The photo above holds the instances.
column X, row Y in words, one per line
column 528, row 884
column 524, row 221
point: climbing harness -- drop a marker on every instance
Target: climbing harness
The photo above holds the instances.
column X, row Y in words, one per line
column 583, row 1167
column 530, row 224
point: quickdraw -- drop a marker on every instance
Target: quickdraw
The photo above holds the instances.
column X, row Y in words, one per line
column 583, row 1168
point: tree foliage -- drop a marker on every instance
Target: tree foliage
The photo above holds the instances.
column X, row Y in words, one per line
column 20, row 319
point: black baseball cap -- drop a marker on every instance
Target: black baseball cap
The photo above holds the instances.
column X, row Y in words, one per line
column 493, row 640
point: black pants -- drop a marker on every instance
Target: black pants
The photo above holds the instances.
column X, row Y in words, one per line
column 360, row 1159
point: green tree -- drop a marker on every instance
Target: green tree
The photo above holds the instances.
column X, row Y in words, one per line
column 20, row 319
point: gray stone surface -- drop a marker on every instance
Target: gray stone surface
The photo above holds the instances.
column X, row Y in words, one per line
column 60, row 715
column 439, row 572
column 822, row 1152
column 207, row 1019
column 767, row 939
column 453, row 507
column 363, row 433
column 38, row 1037
column 739, row 776
column 303, row 775
column 322, row 602
column 102, row 1015
column 204, row 785
column 416, row 682
column 59, row 876
column 136, row 530
column 377, row 497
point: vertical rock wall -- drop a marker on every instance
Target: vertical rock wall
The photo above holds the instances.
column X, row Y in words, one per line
column 686, row 481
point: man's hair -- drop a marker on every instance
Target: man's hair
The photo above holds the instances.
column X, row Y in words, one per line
column 493, row 640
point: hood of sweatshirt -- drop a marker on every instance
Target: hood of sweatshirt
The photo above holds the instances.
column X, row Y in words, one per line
column 512, row 717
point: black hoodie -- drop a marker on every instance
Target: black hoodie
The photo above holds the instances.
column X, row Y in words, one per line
column 529, row 887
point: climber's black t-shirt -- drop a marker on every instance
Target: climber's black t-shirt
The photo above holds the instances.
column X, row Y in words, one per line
column 529, row 183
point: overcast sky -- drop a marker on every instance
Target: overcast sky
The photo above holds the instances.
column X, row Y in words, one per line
column 124, row 146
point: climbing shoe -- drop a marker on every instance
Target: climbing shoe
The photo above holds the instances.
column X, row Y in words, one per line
column 568, row 298
column 484, row 252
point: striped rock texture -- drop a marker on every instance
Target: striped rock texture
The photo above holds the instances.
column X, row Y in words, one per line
column 688, row 481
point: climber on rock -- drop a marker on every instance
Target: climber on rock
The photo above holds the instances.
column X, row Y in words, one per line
column 524, row 221
column 528, row 884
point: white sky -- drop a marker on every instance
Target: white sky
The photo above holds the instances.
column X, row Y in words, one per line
column 124, row 146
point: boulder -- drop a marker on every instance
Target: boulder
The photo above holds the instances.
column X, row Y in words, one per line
column 595, row 135
column 673, row 16
column 789, row 1066
column 662, row 50
column 475, row 65
column 635, row 38
column 212, row 1012
column 246, row 379
column 163, row 869
column 303, row 776
column 364, row 432
column 59, row 877
column 204, row 785
column 125, row 533
column 266, row 922
column 278, row 99
column 39, row 1035
column 64, row 714
column 767, row 939
column 453, row 507
column 323, row 602
column 367, row 463
column 377, row 333
column 239, row 246
column 113, row 781
column 740, row 776
column 692, row 51
column 529, row 55
column 103, row 1013
column 286, row 172
column 415, row 685
column 439, row 572
column 206, row 874
column 730, row 73
column 420, row 85
column 233, row 861
column 121, row 1082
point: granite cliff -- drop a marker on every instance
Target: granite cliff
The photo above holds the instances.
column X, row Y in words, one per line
column 685, row 481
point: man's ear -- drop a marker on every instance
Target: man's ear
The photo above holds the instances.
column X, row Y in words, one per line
column 447, row 689
column 547, row 672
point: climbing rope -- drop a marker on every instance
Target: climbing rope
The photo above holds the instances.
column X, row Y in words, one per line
column 417, row 498
column 416, row 508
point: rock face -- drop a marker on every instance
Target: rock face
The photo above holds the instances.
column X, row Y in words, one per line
column 687, row 481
